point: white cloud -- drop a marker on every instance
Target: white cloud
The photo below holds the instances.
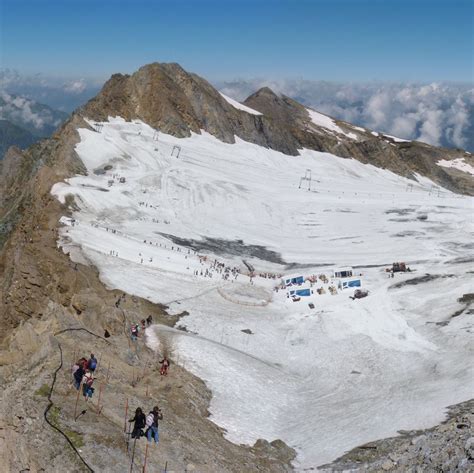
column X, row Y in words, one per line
column 76, row 86
column 58, row 92
column 437, row 113
column 19, row 110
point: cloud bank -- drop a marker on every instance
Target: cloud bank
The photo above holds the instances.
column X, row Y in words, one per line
column 440, row 114
column 60, row 93
column 38, row 119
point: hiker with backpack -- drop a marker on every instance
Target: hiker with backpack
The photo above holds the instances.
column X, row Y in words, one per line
column 92, row 363
column 87, row 389
column 78, row 372
column 152, row 424
column 140, row 422
column 165, row 364
column 134, row 332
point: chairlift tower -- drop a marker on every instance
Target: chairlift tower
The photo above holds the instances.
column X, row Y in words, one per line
column 155, row 135
column 98, row 127
column 409, row 188
column 177, row 149
column 306, row 179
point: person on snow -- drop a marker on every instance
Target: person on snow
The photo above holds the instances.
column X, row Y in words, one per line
column 92, row 363
column 140, row 422
column 165, row 364
column 152, row 424
column 78, row 375
column 87, row 389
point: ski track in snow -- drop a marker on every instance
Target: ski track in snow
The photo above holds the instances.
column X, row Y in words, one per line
column 324, row 380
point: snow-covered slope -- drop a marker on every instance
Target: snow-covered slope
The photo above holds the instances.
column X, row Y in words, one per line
column 459, row 164
column 324, row 379
column 328, row 123
column 240, row 106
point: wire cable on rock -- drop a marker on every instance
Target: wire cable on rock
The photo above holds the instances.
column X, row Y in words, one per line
column 51, row 404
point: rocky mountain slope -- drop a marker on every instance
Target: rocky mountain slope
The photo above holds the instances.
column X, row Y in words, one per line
column 43, row 294
column 446, row 447
column 177, row 102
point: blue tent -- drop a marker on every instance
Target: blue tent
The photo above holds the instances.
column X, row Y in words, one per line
column 296, row 281
column 351, row 283
column 301, row 292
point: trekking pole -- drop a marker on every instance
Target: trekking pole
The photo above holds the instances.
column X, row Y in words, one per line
column 166, row 468
column 77, row 399
column 107, row 375
column 73, row 358
column 126, row 412
column 100, row 397
column 133, row 455
column 128, row 441
column 98, row 362
column 144, row 461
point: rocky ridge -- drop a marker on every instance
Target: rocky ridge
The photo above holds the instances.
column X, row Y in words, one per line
column 448, row 447
column 177, row 102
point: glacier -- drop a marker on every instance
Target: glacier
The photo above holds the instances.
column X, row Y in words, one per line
column 322, row 379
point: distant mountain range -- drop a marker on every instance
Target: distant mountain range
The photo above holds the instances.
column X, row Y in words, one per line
column 24, row 121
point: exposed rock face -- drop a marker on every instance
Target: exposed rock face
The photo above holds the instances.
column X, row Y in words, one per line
column 447, row 447
column 177, row 102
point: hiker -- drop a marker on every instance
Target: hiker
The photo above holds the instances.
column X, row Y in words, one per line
column 87, row 389
column 140, row 422
column 152, row 423
column 134, row 332
column 165, row 364
column 83, row 363
column 149, row 320
column 143, row 322
column 77, row 373
column 92, row 363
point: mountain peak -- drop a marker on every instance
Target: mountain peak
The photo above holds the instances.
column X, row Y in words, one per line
column 177, row 102
column 265, row 91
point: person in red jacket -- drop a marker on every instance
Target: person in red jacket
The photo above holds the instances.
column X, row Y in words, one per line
column 165, row 364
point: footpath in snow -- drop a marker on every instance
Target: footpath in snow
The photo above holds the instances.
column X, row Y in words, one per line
column 324, row 378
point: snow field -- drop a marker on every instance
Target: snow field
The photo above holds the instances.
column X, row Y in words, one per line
column 323, row 380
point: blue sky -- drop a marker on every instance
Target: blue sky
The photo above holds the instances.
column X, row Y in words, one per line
column 344, row 40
